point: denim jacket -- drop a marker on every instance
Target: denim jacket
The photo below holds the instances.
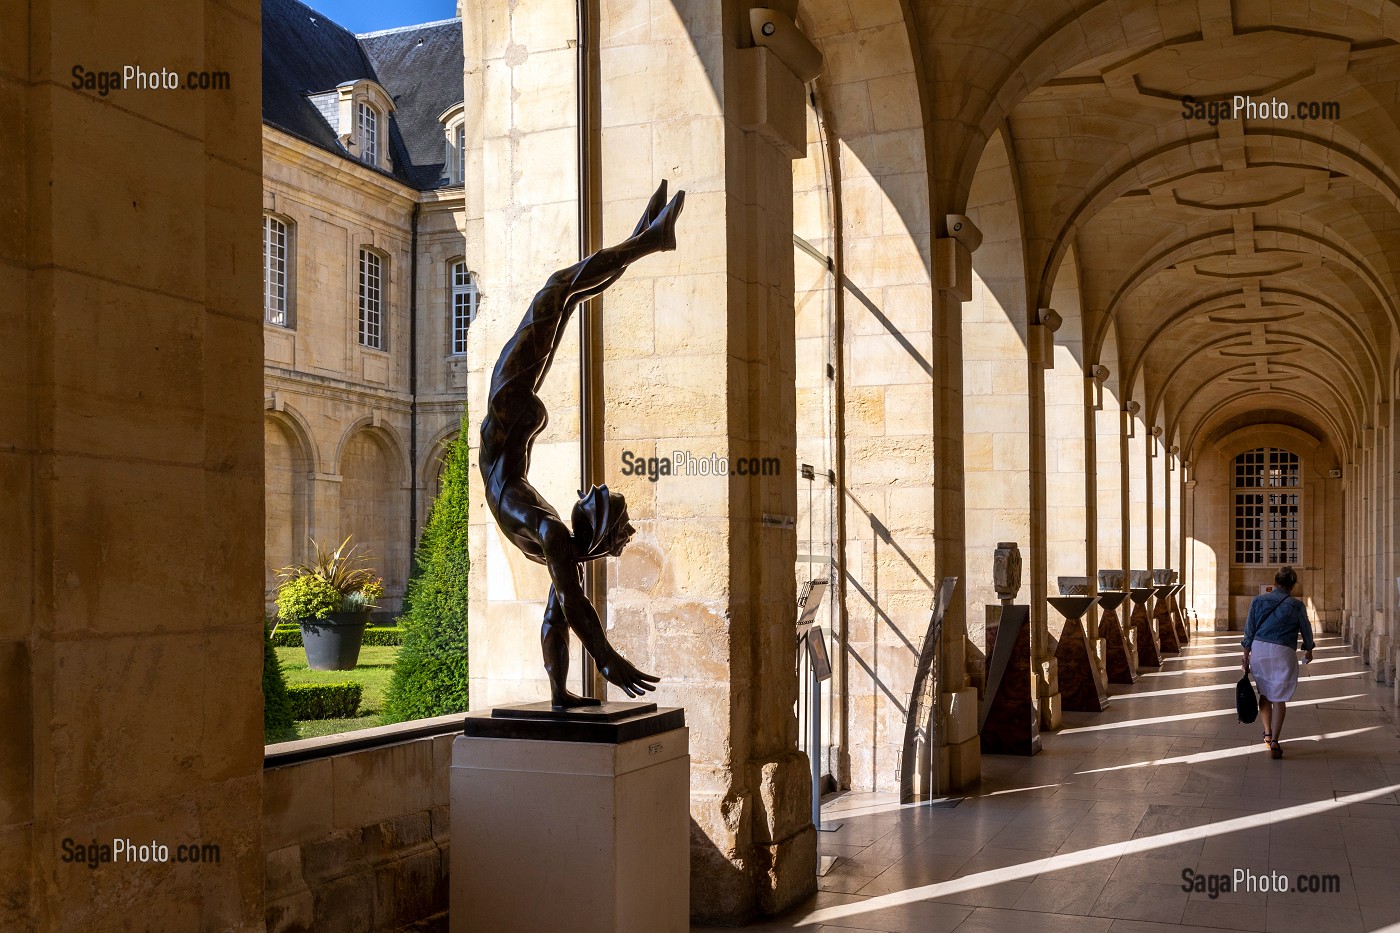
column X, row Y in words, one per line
column 1278, row 626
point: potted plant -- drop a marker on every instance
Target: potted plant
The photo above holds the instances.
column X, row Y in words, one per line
column 330, row 598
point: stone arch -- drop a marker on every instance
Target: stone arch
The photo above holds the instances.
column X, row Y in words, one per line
column 997, row 401
column 386, row 435
column 863, row 292
column 374, row 503
column 1232, row 585
column 430, row 469
column 289, row 458
column 1108, row 431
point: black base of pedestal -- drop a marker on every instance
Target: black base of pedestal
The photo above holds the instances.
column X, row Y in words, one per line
column 607, row 723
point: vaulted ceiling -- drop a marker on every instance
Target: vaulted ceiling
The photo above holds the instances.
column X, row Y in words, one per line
column 1241, row 265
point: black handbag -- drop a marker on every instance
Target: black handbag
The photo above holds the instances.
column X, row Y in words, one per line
column 1246, row 703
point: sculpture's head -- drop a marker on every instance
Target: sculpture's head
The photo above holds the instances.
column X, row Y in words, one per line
column 601, row 525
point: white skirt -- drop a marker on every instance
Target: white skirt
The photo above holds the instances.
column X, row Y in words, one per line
column 1275, row 670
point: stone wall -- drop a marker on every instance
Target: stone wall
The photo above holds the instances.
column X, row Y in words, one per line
column 1222, row 590
column 130, row 464
column 358, row 841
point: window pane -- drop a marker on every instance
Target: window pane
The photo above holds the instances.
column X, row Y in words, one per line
column 371, row 330
column 369, row 132
column 463, row 306
column 274, row 271
column 1267, row 527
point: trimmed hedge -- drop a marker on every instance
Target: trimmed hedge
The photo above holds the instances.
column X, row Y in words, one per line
column 430, row 670
column 277, row 710
column 378, row 636
column 325, row 701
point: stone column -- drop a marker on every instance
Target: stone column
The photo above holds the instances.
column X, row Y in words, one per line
column 131, row 487
column 961, row 747
column 700, row 364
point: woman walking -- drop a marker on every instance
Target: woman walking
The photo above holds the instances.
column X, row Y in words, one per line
column 1271, row 652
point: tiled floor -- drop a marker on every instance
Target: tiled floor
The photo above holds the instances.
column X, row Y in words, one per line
column 1094, row 834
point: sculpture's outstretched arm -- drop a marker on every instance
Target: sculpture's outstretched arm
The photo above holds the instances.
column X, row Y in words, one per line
column 582, row 618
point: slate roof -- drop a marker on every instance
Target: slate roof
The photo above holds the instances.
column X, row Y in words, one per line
column 305, row 53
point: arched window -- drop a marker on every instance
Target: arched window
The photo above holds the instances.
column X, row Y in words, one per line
column 454, row 128
column 1268, row 492
column 371, row 300
column 464, row 297
column 276, row 249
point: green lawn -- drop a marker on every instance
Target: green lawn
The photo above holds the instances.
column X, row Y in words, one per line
column 373, row 672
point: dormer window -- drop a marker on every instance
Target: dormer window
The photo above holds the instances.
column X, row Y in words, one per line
column 461, row 147
column 454, row 127
column 359, row 111
column 367, row 132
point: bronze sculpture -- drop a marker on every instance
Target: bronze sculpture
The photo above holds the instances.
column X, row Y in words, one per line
column 515, row 416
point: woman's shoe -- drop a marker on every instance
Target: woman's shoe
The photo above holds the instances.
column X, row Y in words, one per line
column 1275, row 750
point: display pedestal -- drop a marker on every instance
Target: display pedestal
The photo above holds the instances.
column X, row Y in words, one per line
column 1183, row 632
column 1148, row 653
column 1010, row 719
column 1121, row 654
column 579, row 823
column 1082, row 686
column 1162, row 620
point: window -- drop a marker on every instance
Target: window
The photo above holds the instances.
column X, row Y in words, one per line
column 460, row 144
column 275, row 272
column 371, row 300
column 1268, row 500
column 463, row 306
column 367, row 124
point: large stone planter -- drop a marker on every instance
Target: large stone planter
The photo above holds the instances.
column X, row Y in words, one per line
column 333, row 643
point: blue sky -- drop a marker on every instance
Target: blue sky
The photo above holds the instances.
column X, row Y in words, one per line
column 371, row 15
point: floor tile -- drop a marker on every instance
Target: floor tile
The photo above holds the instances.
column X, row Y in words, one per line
column 1128, row 810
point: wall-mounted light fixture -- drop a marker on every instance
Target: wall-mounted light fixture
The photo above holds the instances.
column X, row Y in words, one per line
column 774, row 28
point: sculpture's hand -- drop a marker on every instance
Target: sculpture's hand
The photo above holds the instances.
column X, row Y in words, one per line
column 620, row 672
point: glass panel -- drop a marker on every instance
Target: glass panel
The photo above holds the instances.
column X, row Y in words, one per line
column 1268, row 527
column 371, row 331
column 274, row 271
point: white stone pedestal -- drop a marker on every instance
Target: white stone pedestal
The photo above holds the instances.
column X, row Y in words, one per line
column 588, row 837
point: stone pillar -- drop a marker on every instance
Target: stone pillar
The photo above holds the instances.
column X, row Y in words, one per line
column 521, row 69
column 131, row 488
column 962, row 747
column 701, row 363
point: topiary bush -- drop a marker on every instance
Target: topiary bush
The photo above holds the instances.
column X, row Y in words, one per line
column 430, row 672
column 277, row 710
column 325, row 701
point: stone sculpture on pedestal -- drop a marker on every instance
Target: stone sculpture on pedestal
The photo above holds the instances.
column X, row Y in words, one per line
column 1010, row 717
column 1120, row 650
column 515, row 416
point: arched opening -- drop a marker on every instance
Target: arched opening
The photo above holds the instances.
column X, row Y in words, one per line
column 287, row 503
column 374, row 509
column 996, row 388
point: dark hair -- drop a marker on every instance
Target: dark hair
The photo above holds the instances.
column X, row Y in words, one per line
column 1286, row 578
column 599, row 516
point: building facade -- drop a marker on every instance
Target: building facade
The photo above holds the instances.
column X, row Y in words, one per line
column 367, row 292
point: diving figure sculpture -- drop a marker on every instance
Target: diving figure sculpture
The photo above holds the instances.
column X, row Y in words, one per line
column 515, row 415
